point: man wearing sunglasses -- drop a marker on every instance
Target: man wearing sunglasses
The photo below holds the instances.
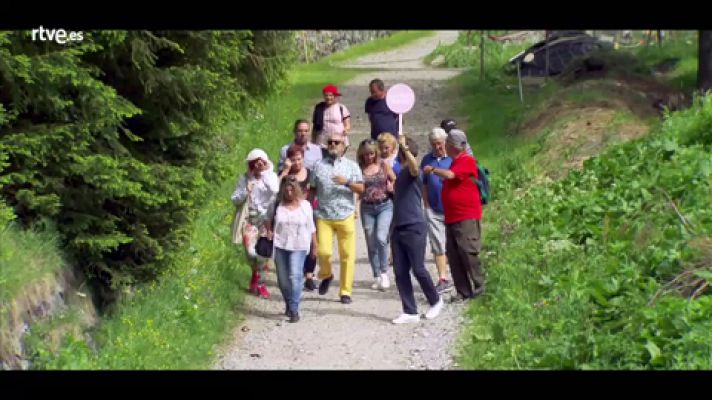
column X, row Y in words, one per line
column 335, row 180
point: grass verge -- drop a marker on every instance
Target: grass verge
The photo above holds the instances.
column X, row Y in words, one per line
column 606, row 268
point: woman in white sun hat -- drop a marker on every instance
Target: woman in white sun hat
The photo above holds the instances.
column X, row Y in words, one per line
column 258, row 187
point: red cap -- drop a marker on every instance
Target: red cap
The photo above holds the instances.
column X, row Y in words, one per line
column 331, row 89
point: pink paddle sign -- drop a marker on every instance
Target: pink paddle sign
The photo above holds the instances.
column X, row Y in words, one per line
column 400, row 99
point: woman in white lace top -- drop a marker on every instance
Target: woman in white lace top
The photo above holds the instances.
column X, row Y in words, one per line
column 294, row 235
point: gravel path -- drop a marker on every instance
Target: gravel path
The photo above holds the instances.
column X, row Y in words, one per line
column 360, row 335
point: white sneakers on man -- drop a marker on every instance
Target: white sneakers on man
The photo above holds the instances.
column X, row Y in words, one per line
column 385, row 283
column 407, row 319
column 376, row 283
column 435, row 309
column 433, row 312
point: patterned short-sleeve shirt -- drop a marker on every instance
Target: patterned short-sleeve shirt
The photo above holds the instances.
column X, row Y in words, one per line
column 336, row 202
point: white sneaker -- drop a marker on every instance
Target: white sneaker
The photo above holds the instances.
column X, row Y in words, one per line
column 376, row 283
column 407, row 319
column 435, row 309
column 385, row 282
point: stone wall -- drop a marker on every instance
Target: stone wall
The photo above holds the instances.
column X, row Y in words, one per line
column 41, row 301
column 313, row 45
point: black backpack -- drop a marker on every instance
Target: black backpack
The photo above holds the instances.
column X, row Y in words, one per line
column 318, row 117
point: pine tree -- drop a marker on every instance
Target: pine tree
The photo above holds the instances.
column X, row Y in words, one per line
column 118, row 138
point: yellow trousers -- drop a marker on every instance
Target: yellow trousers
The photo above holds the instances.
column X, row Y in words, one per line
column 345, row 230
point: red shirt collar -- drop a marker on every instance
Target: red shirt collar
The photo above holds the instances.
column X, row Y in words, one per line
column 462, row 153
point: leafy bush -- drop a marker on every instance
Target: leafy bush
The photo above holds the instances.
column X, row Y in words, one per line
column 120, row 137
column 461, row 55
column 595, row 271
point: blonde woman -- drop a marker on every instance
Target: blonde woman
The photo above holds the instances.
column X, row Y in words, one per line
column 388, row 146
column 376, row 209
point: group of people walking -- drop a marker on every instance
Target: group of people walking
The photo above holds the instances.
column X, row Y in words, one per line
column 316, row 192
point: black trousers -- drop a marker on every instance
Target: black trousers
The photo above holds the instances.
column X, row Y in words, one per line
column 408, row 248
column 309, row 264
column 463, row 247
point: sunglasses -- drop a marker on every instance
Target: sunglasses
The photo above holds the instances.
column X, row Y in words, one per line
column 368, row 141
column 334, row 142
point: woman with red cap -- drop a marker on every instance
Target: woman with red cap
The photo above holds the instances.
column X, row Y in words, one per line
column 329, row 117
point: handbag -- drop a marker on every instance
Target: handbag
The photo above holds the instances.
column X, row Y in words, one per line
column 238, row 223
column 264, row 247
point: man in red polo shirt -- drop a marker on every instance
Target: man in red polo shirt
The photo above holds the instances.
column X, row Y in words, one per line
column 463, row 212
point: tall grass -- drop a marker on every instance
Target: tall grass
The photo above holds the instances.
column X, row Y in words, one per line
column 681, row 46
column 493, row 113
column 464, row 54
column 30, row 261
column 572, row 265
column 26, row 256
column 493, row 108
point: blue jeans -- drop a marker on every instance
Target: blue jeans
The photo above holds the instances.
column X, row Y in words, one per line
column 376, row 221
column 289, row 266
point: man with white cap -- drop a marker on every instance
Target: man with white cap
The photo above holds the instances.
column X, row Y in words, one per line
column 258, row 186
column 463, row 212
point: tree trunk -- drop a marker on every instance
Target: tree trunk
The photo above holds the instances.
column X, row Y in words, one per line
column 704, row 70
column 660, row 38
column 482, row 55
column 546, row 74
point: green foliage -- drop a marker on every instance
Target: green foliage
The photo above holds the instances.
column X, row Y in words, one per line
column 173, row 322
column 59, row 342
column 682, row 46
column 462, row 54
column 494, row 113
column 6, row 214
column 120, row 137
column 573, row 266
